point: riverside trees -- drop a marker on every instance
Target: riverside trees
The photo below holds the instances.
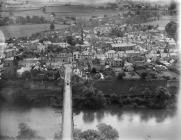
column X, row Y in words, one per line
column 104, row 132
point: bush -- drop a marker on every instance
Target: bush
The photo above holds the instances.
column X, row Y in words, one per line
column 52, row 26
column 171, row 29
column 121, row 75
column 90, row 98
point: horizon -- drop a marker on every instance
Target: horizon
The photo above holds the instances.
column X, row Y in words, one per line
column 92, row 1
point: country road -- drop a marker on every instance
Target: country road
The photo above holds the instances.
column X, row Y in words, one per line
column 67, row 106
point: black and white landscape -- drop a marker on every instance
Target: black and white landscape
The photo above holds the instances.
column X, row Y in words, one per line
column 89, row 70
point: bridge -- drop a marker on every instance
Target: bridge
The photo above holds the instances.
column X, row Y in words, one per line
column 67, row 119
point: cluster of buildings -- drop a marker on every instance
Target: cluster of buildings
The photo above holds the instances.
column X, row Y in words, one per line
column 94, row 48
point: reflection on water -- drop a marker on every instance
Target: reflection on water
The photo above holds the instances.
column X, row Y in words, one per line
column 45, row 121
column 131, row 124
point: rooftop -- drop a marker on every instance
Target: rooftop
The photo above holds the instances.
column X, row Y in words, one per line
column 123, row 45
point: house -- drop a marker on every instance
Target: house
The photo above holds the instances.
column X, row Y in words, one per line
column 76, row 56
column 102, row 62
column 53, row 64
column 63, row 57
column 115, row 62
column 41, row 47
column 86, row 55
column 121, row 54
column 131, row 52
column 77, row 72
column 110, row 54
column 31, row 47
column 123, row 46
column 28, row 62
column 62, row 44
column 138, row 60
column 128, row 66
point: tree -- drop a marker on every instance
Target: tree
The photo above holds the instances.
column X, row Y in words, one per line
column 171, row 30
column 28, row 19
column 160, row 98
column 162, row 93
column 26, row 133
column 90, row 135
column 93, row 70
column 91, row 98
column 173, row 6
column 104, row 132
column 107, row 132
column 143, row 75
column 52, row 26
column 44, row 9
column 116, row 32
column 70, row 40
column 146, row 92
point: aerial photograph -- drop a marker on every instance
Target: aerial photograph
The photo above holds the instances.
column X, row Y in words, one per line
column 89, row 70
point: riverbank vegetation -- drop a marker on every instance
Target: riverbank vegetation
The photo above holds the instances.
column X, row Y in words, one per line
column 89, row 94
column 32, row 93
column 103, row 132
column 122, row 93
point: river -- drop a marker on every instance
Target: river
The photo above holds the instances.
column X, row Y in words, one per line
column 130, row 124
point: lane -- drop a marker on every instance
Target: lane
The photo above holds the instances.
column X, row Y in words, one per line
column 67, row 106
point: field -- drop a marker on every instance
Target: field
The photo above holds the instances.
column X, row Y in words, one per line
column 79, row 11
column 62, row 10
column 163, row 21
column 26, row 30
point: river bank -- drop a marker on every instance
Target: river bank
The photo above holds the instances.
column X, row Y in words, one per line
column 85, row 95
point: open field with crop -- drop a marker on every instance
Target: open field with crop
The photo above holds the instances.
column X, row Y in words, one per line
column 26, row 30
column 62, row 10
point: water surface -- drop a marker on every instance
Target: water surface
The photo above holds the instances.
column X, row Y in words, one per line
column 130, row 124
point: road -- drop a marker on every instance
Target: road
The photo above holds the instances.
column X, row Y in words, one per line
column 67, row 106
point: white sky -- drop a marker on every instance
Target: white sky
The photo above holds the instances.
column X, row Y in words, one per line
column 98, row 1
